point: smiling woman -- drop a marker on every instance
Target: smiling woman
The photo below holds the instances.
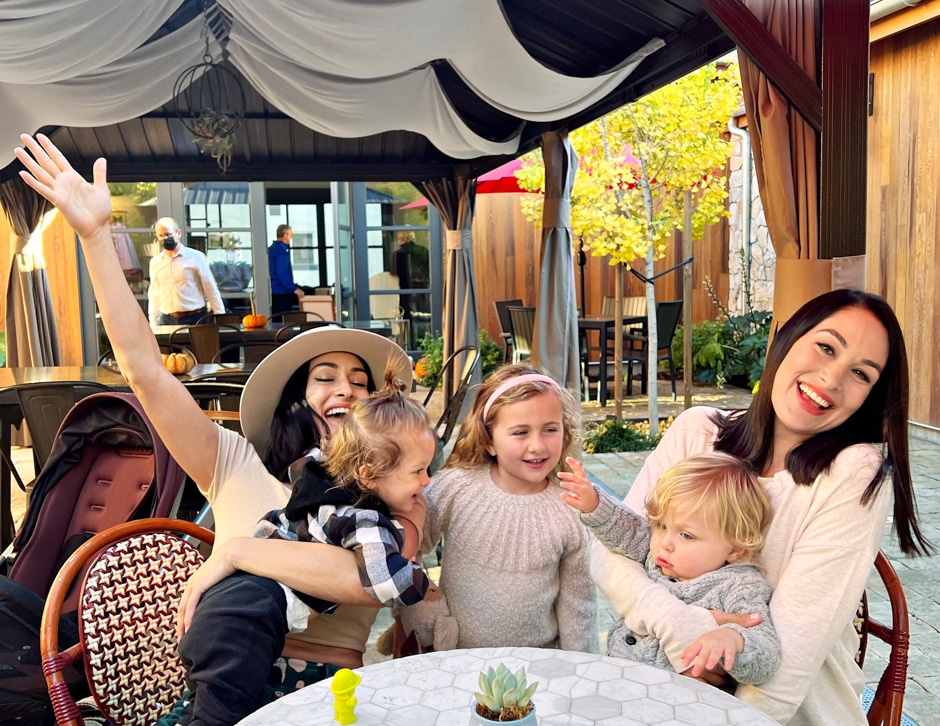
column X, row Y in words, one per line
column 226, row 467
column 828, row 432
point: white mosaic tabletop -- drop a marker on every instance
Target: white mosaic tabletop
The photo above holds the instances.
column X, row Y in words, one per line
column 575, row 689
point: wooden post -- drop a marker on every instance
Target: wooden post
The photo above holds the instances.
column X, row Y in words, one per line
column 618, row 343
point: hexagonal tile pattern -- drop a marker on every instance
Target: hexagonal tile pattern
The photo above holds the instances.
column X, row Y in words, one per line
column 575, row 689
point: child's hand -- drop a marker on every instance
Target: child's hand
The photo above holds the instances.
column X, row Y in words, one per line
column 716, row 647
column 579, row 492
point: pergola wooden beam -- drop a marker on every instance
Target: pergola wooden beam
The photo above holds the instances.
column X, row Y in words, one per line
column 836, row 109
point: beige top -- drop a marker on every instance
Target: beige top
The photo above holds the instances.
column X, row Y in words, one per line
column 243, row 490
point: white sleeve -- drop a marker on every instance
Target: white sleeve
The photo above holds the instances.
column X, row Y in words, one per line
column 153, row 298
column 209, row 287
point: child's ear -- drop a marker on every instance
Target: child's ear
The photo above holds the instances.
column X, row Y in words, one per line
column 366, row 477
column 738, row 554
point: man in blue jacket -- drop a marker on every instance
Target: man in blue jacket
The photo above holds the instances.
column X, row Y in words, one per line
column 285, row 295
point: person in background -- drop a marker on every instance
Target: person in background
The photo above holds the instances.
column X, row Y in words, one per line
column 181, row 283
column 285, row 293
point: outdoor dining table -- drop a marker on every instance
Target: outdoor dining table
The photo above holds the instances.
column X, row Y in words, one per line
column 604, row 323
column 573, row 688
column 11, row 415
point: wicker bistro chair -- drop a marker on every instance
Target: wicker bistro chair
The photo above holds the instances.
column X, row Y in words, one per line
column 127, row 620
column 505, row 325
column 885, row 703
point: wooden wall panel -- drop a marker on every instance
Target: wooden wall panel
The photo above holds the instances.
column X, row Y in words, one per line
column 903, row 195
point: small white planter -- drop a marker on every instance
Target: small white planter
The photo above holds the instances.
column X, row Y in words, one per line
column 477, row 720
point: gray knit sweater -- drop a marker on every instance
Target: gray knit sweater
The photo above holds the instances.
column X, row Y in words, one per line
column 734, row 588
column 515, row 569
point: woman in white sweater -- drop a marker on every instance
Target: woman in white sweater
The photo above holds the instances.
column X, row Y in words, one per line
column 827, row 432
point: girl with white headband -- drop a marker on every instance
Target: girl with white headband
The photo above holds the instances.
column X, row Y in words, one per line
column 515, row 570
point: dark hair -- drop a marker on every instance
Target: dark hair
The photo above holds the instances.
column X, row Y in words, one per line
column 297, row 428
column 881, row 419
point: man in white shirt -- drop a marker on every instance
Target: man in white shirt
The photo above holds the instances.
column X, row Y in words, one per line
column 181, row 283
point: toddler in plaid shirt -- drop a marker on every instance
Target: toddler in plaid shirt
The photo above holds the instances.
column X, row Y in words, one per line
column 376, row 462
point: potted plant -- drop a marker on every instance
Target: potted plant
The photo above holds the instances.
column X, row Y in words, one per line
column 503, row 696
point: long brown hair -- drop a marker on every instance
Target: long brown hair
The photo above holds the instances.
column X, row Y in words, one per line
column 881, row 419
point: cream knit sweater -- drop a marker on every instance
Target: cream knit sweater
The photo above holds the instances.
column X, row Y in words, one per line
column 515, row 568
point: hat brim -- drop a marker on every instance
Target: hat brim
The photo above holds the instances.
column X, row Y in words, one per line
column 266, row 383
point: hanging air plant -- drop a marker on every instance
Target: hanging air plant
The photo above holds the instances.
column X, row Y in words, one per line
column 210, row 102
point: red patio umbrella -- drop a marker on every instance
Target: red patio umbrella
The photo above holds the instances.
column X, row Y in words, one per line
column 500, row 180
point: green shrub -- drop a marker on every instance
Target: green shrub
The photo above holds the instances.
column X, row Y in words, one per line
column 610, row 436
column 432, row 349
column 727, row 350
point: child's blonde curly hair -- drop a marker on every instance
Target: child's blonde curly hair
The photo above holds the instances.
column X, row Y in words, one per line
column 476, row 431
column 720, row 489
column 374, row 433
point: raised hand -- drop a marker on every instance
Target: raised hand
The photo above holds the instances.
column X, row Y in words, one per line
column 579, row 492
column 87, row 207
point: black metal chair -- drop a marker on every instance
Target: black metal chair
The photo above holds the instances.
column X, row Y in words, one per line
column 44, row 407
column 220, row 319
column 295, row 316
column 218, row 396
column 468, row 357
column 292, row 329
column 249, row 352
column 505, row 324
column 668, row 315
column 522, row 329
column 206, row 340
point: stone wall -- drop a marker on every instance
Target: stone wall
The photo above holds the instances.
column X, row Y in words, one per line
column 760, row 252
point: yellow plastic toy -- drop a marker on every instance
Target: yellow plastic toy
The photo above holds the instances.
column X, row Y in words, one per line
column 344, row 702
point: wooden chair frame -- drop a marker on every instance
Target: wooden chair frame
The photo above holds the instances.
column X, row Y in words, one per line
column 55, row 662
column 886, row 708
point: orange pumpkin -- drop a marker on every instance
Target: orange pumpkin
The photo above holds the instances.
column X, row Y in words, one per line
column 178, row 362
column 254, row 321
column 421, row 368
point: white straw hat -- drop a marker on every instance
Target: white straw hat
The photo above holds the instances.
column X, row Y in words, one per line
column 265, row 385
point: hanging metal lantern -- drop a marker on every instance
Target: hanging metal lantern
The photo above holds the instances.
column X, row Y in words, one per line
column 210, row 102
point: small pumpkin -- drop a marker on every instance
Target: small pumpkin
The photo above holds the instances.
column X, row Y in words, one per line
column 255, row 320
column 421, row 368
column 178, row 362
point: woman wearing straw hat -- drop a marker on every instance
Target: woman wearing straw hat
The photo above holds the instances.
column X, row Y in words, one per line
column 325, row 369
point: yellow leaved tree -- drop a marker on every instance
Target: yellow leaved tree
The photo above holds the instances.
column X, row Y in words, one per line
column 636, row 164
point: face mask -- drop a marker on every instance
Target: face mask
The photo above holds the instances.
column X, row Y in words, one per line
column 169, row 243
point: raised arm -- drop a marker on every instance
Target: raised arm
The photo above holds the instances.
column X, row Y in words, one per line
column 189, row 435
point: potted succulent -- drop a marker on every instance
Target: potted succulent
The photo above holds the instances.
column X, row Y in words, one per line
column 503, row 696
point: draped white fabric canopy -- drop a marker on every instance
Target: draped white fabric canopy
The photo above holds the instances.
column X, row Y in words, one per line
column 344, row 67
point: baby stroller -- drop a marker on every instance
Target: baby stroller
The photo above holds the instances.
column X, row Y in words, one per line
column 107, row 466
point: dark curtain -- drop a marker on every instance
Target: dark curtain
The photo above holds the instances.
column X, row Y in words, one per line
column 32, row 334
column 786, row 157
column 555, row 347
column 454, row 199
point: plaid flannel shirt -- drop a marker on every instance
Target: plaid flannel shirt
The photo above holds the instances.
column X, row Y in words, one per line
column 318, row 511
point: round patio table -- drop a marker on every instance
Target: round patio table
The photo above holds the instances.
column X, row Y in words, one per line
column 574, row 688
